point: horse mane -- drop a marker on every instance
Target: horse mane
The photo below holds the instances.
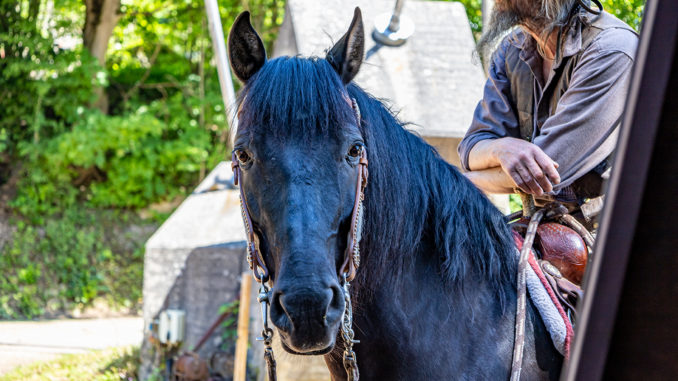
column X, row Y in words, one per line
column 422, row 196
column 413, row 196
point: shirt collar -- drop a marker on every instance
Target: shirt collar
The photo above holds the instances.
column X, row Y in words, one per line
column 571, row 41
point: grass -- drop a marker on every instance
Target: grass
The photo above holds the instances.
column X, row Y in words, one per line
column 115, row 364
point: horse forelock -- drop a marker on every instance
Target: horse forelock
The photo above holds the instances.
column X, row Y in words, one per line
column 294, row 98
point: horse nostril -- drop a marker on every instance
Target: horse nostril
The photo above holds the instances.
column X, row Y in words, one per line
column 337, row 301
column 279, row 315
column 304, row 309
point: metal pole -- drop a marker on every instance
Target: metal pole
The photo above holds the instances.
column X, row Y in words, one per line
column 487, row 12
column 393, row 29
column 223, row 67
column 394, row 25
column 240, row 368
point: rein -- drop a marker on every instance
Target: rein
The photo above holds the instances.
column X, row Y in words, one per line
column 347, row 271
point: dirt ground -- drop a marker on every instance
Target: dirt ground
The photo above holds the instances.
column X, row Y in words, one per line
column 24, row 342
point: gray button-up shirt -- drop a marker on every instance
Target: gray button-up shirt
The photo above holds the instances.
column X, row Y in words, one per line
column 574, row 113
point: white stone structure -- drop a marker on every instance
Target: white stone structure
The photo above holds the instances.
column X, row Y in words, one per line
column 433, row 79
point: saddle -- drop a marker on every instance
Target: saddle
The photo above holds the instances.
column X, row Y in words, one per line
column 562, row 254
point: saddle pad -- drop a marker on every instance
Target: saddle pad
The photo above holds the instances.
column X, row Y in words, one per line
column 543, row 297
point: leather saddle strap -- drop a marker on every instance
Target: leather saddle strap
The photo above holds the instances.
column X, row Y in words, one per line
column 568, row 293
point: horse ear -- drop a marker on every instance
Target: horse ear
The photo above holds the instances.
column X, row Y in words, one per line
column 347, row 54
column 245, row 49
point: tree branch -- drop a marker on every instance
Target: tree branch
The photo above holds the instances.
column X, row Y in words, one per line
column 151, row 62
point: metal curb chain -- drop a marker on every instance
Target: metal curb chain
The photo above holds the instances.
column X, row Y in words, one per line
column 267, row 332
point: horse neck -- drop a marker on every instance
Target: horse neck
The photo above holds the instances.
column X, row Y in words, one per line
column 430, row 212
column 412, row 307
column 423, row 317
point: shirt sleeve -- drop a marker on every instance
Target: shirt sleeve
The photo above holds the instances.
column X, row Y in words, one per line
column 495, row 115
column 583, row 130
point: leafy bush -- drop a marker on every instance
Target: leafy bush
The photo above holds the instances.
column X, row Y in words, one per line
column 82, row 173
column 629, row 11
column 229, row 327
column 40, row 84
column 112, row 161
column 71, row 260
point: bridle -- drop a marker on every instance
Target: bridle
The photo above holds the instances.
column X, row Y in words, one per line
column 347, row 271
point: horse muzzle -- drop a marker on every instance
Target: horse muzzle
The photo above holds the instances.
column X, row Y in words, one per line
column 307, row 318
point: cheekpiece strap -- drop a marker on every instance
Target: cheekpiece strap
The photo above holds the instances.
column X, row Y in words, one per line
column 254, row 258
column 352, row 254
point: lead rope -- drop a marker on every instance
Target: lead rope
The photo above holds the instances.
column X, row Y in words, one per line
column 519, row 339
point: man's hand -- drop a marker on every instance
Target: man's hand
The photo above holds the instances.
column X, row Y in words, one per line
column 525, row 163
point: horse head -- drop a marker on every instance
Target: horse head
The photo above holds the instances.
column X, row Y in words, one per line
column 298, row 146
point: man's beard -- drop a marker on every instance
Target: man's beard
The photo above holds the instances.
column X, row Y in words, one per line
column 504, row 18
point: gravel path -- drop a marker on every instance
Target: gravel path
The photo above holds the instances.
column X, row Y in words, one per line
column 24, row 342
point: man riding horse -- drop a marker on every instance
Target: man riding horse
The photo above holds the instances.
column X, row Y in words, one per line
column 547, row 122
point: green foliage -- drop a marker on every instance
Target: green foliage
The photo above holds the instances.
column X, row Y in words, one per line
column 40, row 84
column 167, row 124
column 229, row 327
column 81, row 173
column 474, row 14
column 629, row 11
column 69, row 261
column 515, row 203
column 113, row 161
column 116, row 364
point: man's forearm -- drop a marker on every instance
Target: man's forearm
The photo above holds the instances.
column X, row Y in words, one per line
column 492, row 180
column 513, row 163
column 482, row 156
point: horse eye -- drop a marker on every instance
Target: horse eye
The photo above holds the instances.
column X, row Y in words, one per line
column 243, row 156
column 356, row 150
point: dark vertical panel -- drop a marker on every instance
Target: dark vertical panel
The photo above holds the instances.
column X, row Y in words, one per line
column 644, row 343
column 627, row 310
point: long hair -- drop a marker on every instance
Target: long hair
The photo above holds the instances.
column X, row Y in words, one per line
column 543, row 18
column 417, row 203
column 557, row 15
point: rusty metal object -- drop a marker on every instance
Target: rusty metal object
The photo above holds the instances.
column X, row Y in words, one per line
column 190, row 367
column 564, row 248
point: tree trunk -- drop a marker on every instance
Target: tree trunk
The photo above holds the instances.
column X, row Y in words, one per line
column 100, row 19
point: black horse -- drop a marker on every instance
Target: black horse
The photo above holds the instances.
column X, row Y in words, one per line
column 435, row 295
